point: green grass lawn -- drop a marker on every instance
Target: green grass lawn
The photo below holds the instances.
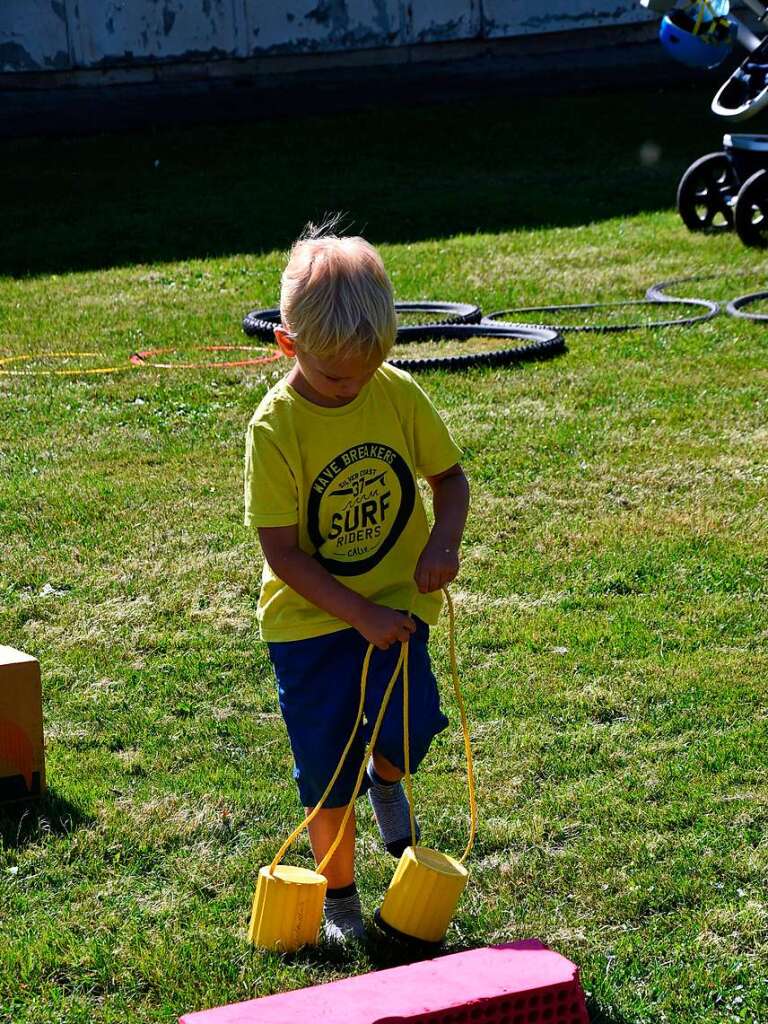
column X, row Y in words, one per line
column 612, row 616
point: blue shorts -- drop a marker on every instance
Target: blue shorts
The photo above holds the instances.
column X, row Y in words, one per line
column 318, row 683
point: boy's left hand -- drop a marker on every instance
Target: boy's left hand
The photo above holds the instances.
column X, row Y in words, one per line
column 437, row 566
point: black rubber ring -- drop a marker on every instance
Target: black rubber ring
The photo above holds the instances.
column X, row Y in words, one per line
column 658, row 293
column 735, row 306
column 543, row 342
column 658, row 300
column 452, row 312
column 261, row 323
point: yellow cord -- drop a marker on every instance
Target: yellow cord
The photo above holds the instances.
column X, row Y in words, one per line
column 369, row 750
column 699, row 19
column 705, row 7
column 407, row 754
column 319, row 805
column 464, row 727
column 402, row 662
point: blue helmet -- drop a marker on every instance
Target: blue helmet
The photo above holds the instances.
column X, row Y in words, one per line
column 699, row 39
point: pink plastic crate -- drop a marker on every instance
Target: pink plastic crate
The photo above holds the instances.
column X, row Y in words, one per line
column 517, row 983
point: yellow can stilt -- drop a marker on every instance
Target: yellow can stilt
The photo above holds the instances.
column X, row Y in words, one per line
column 422, row 896
column 288, row 903
column 287, row 908
column 421, row 899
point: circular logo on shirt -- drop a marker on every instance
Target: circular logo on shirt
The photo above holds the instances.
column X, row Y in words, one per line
column 358, row 507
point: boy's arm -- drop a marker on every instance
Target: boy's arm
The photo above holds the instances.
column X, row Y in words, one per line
column 379, row 625
column 439, row 561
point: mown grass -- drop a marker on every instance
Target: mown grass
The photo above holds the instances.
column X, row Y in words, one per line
column 612, row 618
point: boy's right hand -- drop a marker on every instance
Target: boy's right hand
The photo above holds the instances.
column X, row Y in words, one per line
column 383, row 627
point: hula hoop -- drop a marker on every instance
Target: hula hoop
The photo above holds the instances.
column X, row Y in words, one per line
column 143, row 358
column 59, row 373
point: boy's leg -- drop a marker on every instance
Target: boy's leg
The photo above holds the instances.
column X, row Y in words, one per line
column 386, row 771
column 425, row 719
column 319, row 719
column 390, row 804
column 340, row 870
column 343, row 916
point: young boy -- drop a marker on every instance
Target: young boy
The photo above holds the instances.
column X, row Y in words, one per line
column 332, row 456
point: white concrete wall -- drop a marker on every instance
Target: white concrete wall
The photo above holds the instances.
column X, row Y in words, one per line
column 40, row 35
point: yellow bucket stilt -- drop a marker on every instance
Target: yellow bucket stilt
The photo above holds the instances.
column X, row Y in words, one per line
column 421, row 899
column 287, row 908
column 288, row 903
column 422, row 896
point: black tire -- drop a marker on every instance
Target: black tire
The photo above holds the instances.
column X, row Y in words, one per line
column 751, row 213
column 711, row 308
column 706, row 194
column 736, row 306
column 445, row 312
column 540, row 343
column 261, row 323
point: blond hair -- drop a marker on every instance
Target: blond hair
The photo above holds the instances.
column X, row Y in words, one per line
column 335, row 296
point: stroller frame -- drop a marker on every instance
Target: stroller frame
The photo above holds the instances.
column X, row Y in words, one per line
column 729, row 189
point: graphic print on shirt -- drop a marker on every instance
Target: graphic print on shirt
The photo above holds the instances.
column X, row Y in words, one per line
column 358, row 506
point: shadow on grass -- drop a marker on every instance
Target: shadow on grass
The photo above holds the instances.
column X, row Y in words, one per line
column 602, row 1015
column 32, row 821
column 376, row 952
column 498, row 163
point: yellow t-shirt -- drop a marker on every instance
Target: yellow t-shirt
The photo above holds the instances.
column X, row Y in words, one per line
column 347, row 477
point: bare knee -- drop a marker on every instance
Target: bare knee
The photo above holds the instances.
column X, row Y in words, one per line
column 385, row 769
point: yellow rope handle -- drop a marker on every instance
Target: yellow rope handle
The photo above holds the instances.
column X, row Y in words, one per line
column 464, row 729
column 319, row 805
column 699, row 18
column 402, row 662
column 407, row 754
column 402, row 659
column 705, row 7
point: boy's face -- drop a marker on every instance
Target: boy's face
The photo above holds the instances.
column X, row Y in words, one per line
column 331, row 380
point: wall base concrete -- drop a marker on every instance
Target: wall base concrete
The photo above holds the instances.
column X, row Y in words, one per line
column 94, row 101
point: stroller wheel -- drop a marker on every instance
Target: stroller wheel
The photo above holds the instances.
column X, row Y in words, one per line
column 751, row 214
column 706, row 193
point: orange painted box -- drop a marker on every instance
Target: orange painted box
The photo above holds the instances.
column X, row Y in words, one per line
column 22, row 760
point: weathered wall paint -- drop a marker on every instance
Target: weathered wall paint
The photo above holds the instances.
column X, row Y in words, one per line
column 315, row 26
column 119, row 31
column 40, row 35
column 33, row 36
column 446, row 20
column 521, row 17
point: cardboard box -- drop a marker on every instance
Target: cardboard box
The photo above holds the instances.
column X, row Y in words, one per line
column 22, row 764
